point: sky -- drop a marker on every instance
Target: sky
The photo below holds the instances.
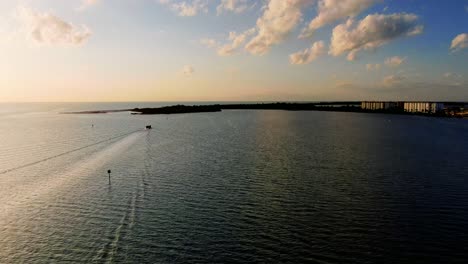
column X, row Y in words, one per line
column 233, row 50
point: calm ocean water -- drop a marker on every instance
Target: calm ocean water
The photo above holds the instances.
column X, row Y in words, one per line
column 235, row 186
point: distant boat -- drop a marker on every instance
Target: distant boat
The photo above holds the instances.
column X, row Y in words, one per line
column 148, row 127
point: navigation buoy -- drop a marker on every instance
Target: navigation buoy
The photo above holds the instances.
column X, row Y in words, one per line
column 109, row 172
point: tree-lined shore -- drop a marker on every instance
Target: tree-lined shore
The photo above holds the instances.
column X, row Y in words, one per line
column 286, row 106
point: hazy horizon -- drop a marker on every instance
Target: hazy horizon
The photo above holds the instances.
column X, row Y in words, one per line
column 221, row 102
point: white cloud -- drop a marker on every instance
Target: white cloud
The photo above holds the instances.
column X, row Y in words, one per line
column 87, row 3
column 453, row 78
column 459, row 42
column 330, row 11
column 372, row 32
column 373, row 67
column 188, row 70
column 226, row 50
column 278, row 20
column 236, row 6
column 452, row 75
column 209, row 43
column 392, row 80
column 235, row 41
column 308, row 55
column 46, row 28
column 186, row 8
column 394, row 61
column 343, row 84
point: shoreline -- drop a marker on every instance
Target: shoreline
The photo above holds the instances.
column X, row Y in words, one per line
column 353, row 107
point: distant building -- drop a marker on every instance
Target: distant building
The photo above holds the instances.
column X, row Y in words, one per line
column 423, row 107
column 372, row 105
column 446, row 108
column 380, row 105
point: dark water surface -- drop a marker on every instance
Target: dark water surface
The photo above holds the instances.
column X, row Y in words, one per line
column 235, row 186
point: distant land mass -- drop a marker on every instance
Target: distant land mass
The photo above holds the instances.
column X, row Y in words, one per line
column 184, row 109
column 345, row 106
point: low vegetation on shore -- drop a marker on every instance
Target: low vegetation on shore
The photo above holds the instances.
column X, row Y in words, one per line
column 324, row 106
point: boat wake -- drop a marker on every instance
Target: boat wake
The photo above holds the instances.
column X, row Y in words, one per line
column 65, row 153
column 19, row 196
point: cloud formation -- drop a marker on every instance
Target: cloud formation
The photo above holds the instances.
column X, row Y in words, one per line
column 87, row 3
column 373, row 67
column 459, row 42
column 454, row 79
column 372, row 32
column 278, row 20
column 45, row 28
column 452, row 75
column 330, row 11
column 186, row 8
column 394, row 61
column 235, row 41
column 344, row 84
column 392, row 80
column 209, row 43
column 235, row 6
column 308, row 55
column 188, row 70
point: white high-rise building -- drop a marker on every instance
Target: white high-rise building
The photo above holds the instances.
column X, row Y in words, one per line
column 423, row 107
column 378, row 105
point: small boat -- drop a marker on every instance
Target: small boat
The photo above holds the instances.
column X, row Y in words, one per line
column 148, row 127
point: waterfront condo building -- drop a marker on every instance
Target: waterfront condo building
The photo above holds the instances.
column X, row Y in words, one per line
column 423, row 107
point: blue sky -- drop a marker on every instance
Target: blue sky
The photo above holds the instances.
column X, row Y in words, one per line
column 192, row 50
